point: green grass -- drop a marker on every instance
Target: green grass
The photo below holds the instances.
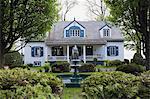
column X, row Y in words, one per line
column 71, row 93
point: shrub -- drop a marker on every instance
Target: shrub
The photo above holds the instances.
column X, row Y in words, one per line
column 61, row 67
column 131, row 68
column 30, row 65
column 87, row 68
column 144, row 92
column 110, row 85
column 25, row 84
column 13, row 60
column 46, row 66
column 115, row 63
column 138, row 59
column 126, row 61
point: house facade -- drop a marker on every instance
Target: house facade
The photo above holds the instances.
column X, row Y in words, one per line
column 93, row 40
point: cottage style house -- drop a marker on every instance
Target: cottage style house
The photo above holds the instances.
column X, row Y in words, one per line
column 93, row 39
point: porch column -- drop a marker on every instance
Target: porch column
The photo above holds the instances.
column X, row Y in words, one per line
column 68, row 54
column 84, row 53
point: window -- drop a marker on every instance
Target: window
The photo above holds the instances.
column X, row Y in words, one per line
column 89, row 50
column 57, row 51
column 74, row 33
column 37, row 51
column 112, row 51
column 37, row 63
column 106, row 32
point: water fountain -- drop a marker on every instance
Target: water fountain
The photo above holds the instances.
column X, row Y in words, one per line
column 75, row 65
column 75, row 79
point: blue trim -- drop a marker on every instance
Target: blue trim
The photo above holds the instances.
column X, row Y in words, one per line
column 67, row 33
column 81, row 33
column 72, row 22
column 116, row 49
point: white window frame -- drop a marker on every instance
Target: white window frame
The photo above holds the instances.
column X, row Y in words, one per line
column 106, row 32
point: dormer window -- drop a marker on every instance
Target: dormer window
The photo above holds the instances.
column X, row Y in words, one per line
column 106, row 32
column 74, row 33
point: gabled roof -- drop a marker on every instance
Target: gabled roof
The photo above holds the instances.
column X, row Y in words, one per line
column 91, row 30
column 72, row 22
column 104, row 26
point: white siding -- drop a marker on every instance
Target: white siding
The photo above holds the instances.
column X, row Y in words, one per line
column 121, row 51
column 28, row 59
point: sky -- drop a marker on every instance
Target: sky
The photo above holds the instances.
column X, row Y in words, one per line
column 79, row 12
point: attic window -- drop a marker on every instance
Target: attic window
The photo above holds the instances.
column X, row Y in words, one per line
column 75, row 32
column 106, row 32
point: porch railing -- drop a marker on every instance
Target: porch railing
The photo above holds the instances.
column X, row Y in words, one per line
column 91, row 57
column 57, row 58
column 64, row 58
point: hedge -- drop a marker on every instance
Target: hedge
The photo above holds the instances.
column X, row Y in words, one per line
column 24, row 84
column 110, row 85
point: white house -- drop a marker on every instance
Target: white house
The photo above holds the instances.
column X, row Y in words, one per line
column 93, row 39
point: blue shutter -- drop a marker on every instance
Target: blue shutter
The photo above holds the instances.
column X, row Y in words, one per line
column 41, row 52
column 81, row 33
column 32, row 51
column 117, row 51
column 108, row 51
column 67, row 33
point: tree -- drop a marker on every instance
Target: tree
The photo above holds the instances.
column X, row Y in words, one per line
column 136, row 14
column 22, row 20
column 97, row 9
column 66, row 6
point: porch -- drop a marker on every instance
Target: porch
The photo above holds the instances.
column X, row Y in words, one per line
column 86, row 53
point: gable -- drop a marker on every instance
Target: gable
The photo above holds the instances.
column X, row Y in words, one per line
column 74, row 29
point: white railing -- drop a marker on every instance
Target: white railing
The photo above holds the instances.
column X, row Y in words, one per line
column 91, row 57
column 57, row 58
column 64, row 58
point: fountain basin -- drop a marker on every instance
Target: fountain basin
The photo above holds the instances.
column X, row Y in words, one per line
column 70, row 81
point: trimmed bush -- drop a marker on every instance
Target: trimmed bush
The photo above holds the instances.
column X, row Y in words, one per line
column 115, row 63
column 144, row 92
column 61, row 67
column 25, row 84
column 131, row 68
column 110, row 85
column 138, row 59
column 13, row 60
column 87, row 68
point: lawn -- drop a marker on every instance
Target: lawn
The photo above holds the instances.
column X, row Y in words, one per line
column 71, row 93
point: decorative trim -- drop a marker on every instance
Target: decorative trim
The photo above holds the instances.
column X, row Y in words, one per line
column 104, row 26
column 72, row 22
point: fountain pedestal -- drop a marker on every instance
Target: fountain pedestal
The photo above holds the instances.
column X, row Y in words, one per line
column 75, row 77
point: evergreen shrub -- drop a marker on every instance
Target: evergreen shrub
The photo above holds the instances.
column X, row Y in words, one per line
column 110, row 85
column 115, row 63
column 87, row 67
column 131, row 68
column 61, row 67
column 24, row 84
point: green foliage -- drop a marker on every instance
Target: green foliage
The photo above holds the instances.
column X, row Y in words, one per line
column 87, row 68
column 138, row 59
column 13, row 59
column 25, row 20
column 22, row 83
column 144, row 92
column 61, row 67
column 30, row 65
column 46, row 66
column 115, row 63
column 110, row 85
column 131, row 68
